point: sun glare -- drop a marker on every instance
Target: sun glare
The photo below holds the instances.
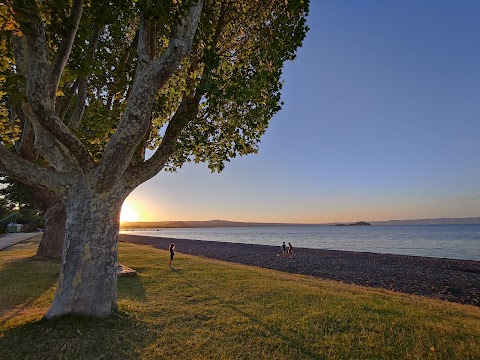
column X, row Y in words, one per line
column 128, row 213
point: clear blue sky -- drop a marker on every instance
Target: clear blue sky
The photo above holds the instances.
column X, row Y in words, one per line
column 381, row 121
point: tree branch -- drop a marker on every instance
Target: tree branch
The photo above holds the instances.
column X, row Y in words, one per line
column 26, row 146
column 77, row 115
column 186, row 112
column 49, row 147
column 127, row 58
column 36, row 106
column 136, row 118
column 34, row 138
column 64, row 104
column 179, row 46
column 63, row 51
column 31, row 174
column 49, row 120
column 144, row 47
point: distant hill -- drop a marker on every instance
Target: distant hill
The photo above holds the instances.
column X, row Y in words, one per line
column 154, row 224
column 224, row 223
column 195, row 224
column 439, row 221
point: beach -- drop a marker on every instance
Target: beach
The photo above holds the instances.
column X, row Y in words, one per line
column 446, row 279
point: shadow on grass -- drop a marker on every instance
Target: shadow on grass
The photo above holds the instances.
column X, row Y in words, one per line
column 266, row 327
column 73, row 337
column 24, row 282
column 18, row 291
column 131, row 288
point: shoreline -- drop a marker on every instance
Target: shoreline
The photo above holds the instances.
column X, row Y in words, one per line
column 440, row 241
column 441, row 278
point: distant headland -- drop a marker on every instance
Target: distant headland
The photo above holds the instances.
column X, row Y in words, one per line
column 360, row 223
column 225, row 223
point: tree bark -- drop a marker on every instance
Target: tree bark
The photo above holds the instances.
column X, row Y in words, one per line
column 88, row 280
column 53, row 237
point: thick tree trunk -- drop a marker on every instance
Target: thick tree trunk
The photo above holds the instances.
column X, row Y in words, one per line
column 88, row 281
column 53, row 237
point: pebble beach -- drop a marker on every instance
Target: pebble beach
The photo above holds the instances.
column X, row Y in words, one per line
column 447, row 279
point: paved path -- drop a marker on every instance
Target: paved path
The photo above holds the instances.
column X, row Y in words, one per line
column 11, row 239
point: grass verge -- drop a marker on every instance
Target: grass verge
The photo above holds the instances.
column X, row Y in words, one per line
column 206, row 309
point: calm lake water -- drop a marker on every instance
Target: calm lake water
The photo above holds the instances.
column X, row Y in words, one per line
column 446, row 241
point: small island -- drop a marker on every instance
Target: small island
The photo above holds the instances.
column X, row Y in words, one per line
column 360, row 223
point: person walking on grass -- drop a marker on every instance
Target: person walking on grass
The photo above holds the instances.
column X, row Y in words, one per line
column 172, row 253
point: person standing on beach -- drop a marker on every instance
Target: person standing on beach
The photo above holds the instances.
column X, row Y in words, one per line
column 284, row 249
column 290, row 249
column 172, row 254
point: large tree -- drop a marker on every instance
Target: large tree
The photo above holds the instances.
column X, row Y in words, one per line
column 91, row 85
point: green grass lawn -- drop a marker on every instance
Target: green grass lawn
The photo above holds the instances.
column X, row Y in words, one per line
column 206, row 309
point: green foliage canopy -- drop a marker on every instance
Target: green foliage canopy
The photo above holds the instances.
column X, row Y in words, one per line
column 227, row 89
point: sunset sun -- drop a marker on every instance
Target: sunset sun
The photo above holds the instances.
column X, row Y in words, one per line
column 128, row 213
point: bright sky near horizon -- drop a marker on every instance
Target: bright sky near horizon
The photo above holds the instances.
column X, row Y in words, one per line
column 381, row 121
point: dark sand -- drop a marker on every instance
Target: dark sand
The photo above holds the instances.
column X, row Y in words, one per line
column 447, row 279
